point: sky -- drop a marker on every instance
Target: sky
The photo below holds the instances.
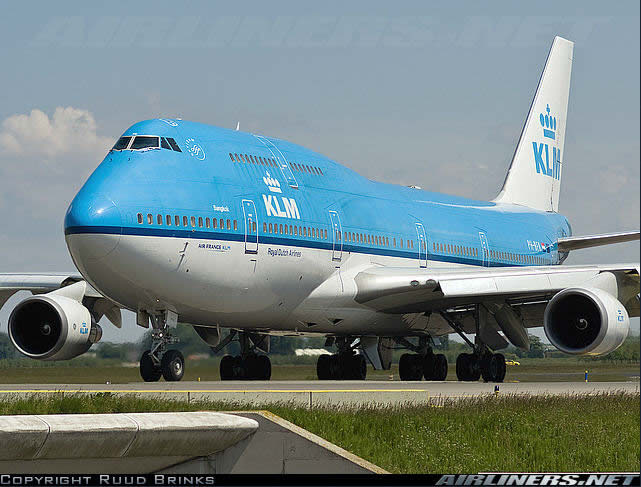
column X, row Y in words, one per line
column 426, row 93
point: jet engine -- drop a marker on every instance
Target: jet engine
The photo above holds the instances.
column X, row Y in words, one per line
column 586, row 321
column 52, row 327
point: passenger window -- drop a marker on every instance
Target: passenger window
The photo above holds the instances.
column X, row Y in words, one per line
column 214, row 223
column 177, row 220
column 168, row 220
column 185, row 221
column 173, row 144
column 165, row 145
column 321, row 171
column 207, row 222
column 236, row 225
column 236, row 157
column 264, row 227
column 228, row 224
column 139, row 217
column 145, row 142
column 231, row 157
column 253, row 226
column 222, row 224
column 295, row 230
column 150, row 218
column 193, row 221
column 286, row 230
column 200, row 221
column 121, row 144
column 270, row 228
column 159, row 219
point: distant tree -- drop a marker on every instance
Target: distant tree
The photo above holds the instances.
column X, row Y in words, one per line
column 444, row 342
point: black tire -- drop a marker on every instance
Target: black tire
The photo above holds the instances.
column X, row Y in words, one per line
column 440, row 367
column 404, row 367
column 359, row 367
column 323, row 371
column 172, row 365
column 489, row 370
column 227, row 368
column 264, row 367
column 240, row 370
column 428, row 366
column 335, row 367
column 252, row 367
column 149, row 371
column 502, row 369
column 462, row 367
column 474, row 365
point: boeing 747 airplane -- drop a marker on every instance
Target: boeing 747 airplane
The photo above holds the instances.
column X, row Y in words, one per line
column 244, row 236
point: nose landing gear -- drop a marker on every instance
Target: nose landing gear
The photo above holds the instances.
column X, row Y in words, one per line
column 159, row 361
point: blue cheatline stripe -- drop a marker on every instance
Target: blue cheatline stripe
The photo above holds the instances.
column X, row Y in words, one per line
column 268, row 239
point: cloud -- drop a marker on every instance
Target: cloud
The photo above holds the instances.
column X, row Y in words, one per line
column 69, row 130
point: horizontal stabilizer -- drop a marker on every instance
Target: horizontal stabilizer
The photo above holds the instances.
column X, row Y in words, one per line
column 574, row 243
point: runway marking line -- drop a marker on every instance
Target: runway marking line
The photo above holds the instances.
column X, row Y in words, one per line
column 307, row 391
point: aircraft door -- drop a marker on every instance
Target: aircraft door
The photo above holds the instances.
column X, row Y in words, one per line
column 337, row 241
column 251, row 227
column 485, row 250
column 280, row 159
column 422, row 245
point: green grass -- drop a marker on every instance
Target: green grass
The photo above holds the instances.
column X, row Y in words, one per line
column 505, row 433
column 530, row 370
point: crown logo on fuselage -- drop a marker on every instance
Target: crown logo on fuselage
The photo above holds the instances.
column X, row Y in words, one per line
column 272, row 184
column 548, row 122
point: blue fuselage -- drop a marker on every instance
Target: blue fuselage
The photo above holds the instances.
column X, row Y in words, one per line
column 301, row 199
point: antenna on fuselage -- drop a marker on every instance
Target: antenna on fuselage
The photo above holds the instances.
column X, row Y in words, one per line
column 238, row 126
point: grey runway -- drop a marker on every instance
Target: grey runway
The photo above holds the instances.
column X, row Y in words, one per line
column 310, row 393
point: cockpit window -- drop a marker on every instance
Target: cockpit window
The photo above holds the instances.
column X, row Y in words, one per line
column 122, row 143
column 173, row 144
column 164, row 144
column 145, row 142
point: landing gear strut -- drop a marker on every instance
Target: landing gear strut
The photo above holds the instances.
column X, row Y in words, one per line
column 482, row 362
column 159, row 361
column 423, row 363
column 248, row 365
column 344, row 365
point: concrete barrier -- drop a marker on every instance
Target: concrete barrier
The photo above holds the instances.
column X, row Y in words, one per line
column 186, row 442
column 126, row 443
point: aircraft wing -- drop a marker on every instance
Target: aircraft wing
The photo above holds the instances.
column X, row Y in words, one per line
column 47, row 282
column 411, row 290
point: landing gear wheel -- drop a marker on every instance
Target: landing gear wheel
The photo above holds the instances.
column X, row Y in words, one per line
column 172, row 365
column 462, row 368
column 358, row 367
column 468, row 367
column 264, row 365
column 493, row 368
column 499, row 358
column 428, row 366
column 440, row 367
column 149, row 371
column 410, row 367
column 323, row 365
column 251, row 367
column 227, row 368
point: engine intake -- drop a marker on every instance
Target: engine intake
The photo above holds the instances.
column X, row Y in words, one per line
column 586, row 321
column 52, row 327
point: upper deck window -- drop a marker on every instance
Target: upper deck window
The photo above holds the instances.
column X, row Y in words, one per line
column 145, row 142
column 122, row 143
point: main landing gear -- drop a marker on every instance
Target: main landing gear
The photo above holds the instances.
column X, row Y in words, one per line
column 482, row 362
column 159, row 361
column 424, row 363
column 344, row 365
column 248, row 365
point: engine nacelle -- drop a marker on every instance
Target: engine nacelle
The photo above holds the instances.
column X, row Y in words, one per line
column 52, row 327
column 586, row 321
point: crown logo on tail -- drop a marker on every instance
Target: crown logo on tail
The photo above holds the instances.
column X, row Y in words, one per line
column 548, row 122
column 272, row 184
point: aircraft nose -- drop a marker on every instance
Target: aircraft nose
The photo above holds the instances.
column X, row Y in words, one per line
column 93, row 226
